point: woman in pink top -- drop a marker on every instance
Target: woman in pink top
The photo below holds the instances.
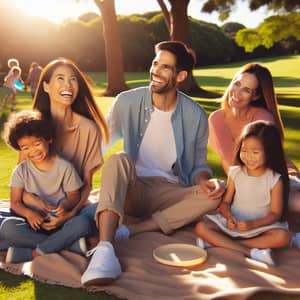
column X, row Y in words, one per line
column 249, row 97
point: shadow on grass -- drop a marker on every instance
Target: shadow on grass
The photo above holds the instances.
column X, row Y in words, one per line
column 243, row 62
column 8, row 280
column 3, row 117
column 43, row 291
column 48, row 292
column 218, row 81
column 291, row 100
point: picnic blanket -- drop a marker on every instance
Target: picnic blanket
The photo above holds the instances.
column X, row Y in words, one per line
column 225, row 274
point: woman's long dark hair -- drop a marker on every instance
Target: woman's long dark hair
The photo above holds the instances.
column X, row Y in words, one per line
column 265, row 90
column 84, row 103
column 270, row 138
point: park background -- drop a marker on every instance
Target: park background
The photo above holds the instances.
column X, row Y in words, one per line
column 219, row 56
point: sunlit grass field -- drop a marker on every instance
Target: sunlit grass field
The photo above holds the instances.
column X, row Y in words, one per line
column 286, row 76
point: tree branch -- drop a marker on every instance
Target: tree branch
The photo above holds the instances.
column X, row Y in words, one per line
column 166, row 13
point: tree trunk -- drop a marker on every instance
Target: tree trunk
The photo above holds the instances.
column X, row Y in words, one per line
column 113, row 51
column 179, row 31
column 165, row 13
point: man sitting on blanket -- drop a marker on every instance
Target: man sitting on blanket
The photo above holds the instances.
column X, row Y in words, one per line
column 163, row 177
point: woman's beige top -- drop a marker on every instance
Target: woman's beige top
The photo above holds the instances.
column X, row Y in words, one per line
column 81, row 145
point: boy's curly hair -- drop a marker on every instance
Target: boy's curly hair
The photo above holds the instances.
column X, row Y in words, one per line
column 26, row 123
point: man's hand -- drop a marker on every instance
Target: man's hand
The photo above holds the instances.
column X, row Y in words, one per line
column 213, row 187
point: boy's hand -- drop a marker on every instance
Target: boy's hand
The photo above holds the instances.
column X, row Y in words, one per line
column 60, row 210
column 54, row 222
column 35, row 220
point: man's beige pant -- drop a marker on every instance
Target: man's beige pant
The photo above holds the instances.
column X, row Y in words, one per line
column 170, row 205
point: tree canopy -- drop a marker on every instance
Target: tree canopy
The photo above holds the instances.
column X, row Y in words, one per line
column 272, row 30
column 224, row 7
column 285, row 24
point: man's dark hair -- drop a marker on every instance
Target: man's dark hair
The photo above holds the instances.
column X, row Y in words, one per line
column 26, row 123
column 185, row 57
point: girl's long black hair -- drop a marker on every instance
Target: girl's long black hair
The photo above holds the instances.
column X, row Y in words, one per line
column 270, row 138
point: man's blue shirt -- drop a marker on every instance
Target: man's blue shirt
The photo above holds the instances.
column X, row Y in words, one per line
column 129, row 117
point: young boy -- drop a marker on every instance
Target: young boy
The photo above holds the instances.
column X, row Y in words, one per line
column 53, row 181
column 13, row 76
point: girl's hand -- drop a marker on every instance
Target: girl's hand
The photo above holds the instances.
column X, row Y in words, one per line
column 35, row 220
column 244, row 225
column 231, row 223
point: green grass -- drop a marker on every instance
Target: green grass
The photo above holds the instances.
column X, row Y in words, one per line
column 285, row 71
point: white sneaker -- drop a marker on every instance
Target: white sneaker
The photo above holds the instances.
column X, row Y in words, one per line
column 103, row 267
column 263, row 255
column 202, row 244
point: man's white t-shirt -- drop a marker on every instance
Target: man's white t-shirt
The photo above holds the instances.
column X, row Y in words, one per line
column 157, row 153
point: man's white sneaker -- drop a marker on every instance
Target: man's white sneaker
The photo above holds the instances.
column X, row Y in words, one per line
column 263, row 255
column 103, row 267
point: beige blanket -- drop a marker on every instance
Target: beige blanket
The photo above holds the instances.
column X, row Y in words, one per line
column 224, row 274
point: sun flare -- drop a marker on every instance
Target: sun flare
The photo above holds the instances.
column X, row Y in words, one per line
column 55, row 10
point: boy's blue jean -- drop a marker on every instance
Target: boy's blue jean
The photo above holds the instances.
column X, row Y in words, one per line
column 89, row 212
column 15, row 231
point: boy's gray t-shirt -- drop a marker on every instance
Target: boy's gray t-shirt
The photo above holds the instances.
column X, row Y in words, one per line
column 51, row 185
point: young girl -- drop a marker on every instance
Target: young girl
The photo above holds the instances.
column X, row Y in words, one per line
column 253, row 209
column 47, row 176
column 13, row 76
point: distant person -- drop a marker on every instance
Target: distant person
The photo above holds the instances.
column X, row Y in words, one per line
column 12, row 81
column 33, row 77
column 50, row 178
column 253, row 211
column 249, row 97
column 12, row 62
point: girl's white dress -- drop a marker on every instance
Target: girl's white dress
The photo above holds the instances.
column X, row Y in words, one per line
column 251, row 200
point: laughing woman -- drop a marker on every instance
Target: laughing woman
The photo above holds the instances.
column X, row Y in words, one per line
column 64, row 96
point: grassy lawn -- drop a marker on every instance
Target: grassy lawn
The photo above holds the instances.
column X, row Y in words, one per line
column 215, row 78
